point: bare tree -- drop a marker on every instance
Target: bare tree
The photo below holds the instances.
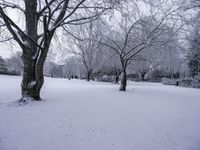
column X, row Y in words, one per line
column 143, row 67
column 140, row 35
column 42, row 18
column 86, row 50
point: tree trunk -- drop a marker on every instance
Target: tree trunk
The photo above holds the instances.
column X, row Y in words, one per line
column 142, row 76
column 123, row 81
column 28, row 86
column 88, row 75
column 33, row 77
column 32, row 82
column 116, row 78
column 39, row 77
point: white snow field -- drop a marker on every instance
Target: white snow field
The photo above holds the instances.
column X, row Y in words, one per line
column 80, row 115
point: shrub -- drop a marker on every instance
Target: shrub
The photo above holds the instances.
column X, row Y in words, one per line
column 191, row 82
column 166, row 81
column 187, row 82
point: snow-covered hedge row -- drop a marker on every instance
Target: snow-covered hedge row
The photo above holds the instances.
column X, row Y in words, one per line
column 186, row 82
column 190, row 82
column 166, row 81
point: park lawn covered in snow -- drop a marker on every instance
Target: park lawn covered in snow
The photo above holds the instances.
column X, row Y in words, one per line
column 80, row 115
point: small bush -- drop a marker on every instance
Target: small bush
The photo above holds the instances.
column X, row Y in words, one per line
column 186, row 82
column 13, row 73
column 190, row 82
column 166, row 81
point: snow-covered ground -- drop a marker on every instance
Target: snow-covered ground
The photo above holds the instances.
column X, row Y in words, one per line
column 80, row 115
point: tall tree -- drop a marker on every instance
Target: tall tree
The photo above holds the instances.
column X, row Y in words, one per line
column 42, row 19
column 136, row 37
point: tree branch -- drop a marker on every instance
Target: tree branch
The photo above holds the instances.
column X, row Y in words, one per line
column 11, row 5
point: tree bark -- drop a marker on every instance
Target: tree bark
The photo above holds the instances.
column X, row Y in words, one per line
column 88, row 75
column 33, row 80
column 123, row 81
column 33, row 77
column 142, row 76
column 28, row 86
column 39, row 77
column 116, row 79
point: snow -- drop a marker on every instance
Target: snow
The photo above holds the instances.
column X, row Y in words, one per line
column 32, row 84
column 80, row 115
